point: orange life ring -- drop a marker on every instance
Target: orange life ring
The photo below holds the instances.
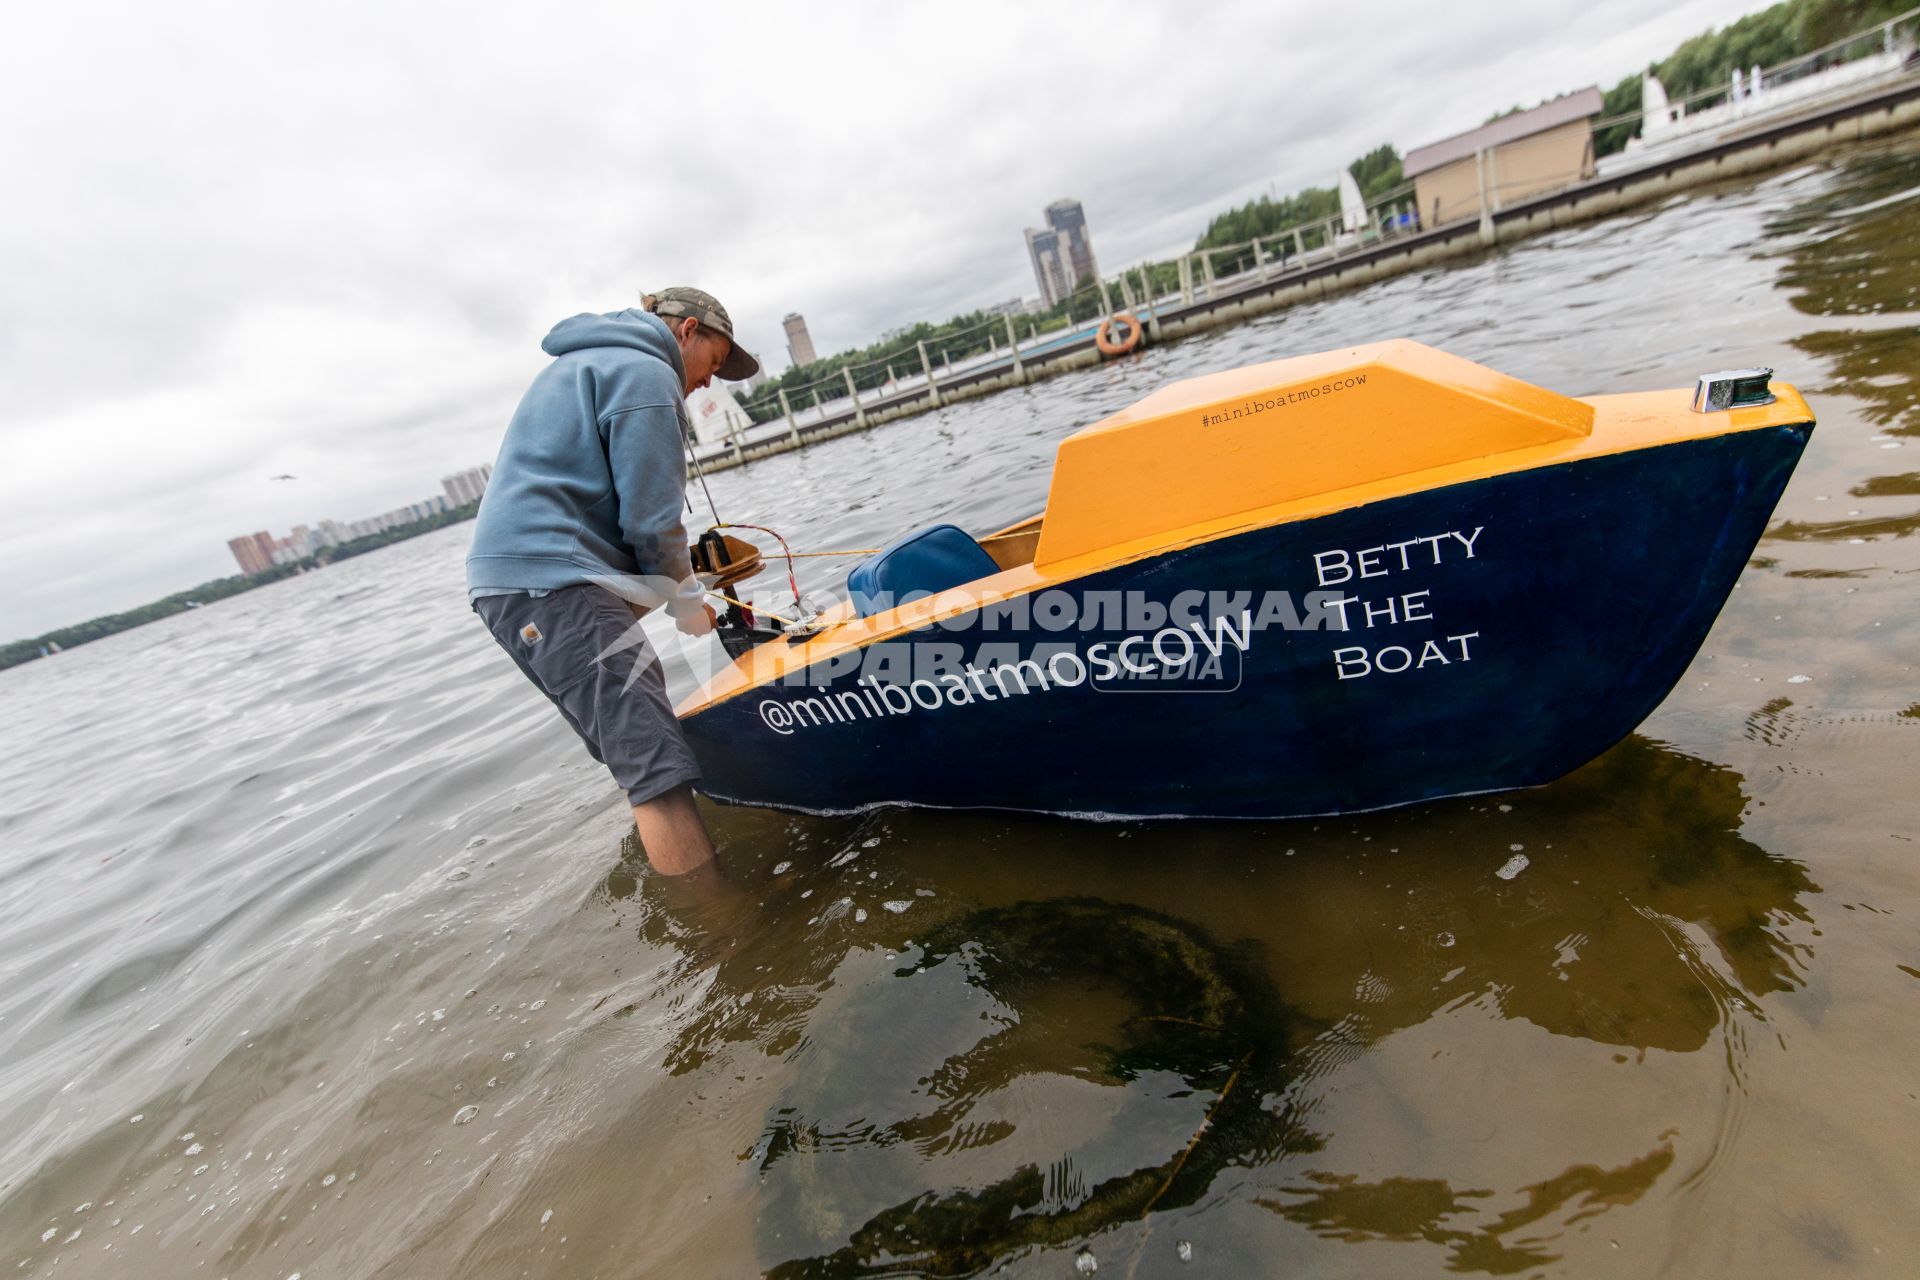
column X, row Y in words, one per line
column 1104, row 339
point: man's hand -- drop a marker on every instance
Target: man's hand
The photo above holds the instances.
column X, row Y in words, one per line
column 697, row 622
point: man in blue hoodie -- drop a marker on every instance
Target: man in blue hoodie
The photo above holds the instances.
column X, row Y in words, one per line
column 581, row 516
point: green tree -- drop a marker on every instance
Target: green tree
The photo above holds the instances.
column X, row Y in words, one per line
column 1266, row 216
column 1622, row 99
column 1771, row 36
column 1705, row 63
column 1378, row 171
column 1709, row 59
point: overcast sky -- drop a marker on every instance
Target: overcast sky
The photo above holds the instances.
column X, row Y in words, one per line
column 326, row 240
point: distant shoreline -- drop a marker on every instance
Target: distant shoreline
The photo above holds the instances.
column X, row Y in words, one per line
column 17, row 652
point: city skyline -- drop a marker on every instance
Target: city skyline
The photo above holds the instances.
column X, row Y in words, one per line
column 257, row 552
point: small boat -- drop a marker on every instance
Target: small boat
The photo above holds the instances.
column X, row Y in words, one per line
column 1327, row 584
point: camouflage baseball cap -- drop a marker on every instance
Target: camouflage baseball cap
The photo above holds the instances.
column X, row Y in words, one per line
column 704, row 307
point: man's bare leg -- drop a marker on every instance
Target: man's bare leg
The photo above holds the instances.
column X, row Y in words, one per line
column 672, row 832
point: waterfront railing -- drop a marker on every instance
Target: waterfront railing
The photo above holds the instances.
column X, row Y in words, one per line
column 1007, row 345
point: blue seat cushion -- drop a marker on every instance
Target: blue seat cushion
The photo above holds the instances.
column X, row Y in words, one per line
column 920, row 564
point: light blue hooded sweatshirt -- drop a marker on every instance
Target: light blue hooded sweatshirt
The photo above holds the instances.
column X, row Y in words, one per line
column 592, row 475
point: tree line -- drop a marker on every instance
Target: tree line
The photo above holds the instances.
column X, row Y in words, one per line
column 1375, row 173
column 1707, row 61
column 959, row 338
column 16, row 652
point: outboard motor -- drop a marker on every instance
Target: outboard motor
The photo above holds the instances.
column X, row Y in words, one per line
column 721, row 561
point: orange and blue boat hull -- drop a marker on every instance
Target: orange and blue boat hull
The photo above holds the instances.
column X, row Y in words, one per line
column 1477, row 636
column 1330, row 583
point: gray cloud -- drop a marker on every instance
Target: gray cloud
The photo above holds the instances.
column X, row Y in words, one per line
column 244, row 240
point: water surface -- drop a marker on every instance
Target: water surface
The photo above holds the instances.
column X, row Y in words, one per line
column 325, row 949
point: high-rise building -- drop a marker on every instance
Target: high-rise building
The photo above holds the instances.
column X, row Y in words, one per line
column 466, row 486
column 1050, row 266
column 249, row 554
column 799, row 341
column 1068, row 219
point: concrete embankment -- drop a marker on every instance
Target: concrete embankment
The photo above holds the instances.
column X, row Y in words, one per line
column 1883, row 110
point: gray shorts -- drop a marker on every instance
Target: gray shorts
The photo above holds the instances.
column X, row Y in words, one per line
column 616, row 701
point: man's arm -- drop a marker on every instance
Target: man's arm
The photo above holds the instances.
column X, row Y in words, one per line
column 650, row 478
